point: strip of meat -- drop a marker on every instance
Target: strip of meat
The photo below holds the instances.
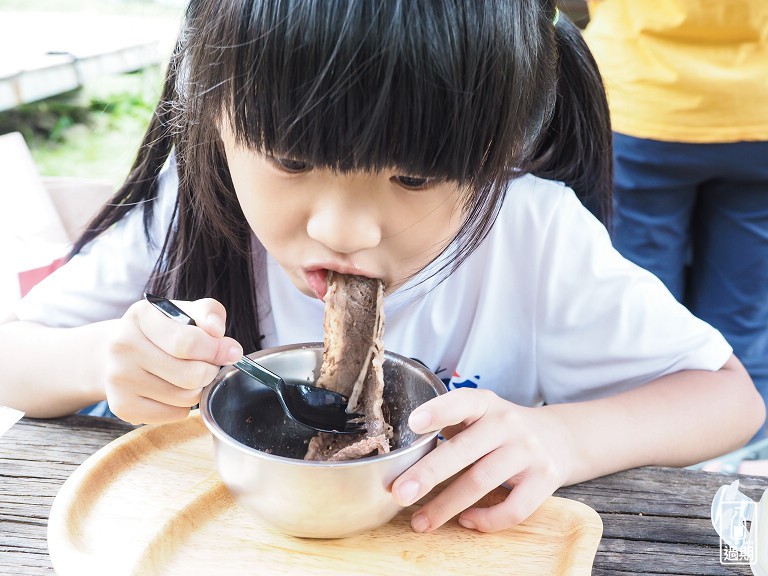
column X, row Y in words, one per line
column 352, row 364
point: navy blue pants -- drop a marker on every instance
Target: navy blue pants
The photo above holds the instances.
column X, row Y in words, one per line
column 696, row 215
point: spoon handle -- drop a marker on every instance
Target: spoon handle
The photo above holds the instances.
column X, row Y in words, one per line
column 169, row 309
column 266, row 377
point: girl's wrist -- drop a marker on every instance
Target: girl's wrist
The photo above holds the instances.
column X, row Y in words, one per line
column 90, row 375
column 569, row 458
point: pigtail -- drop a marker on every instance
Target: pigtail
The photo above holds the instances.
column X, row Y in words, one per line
column 577, row 146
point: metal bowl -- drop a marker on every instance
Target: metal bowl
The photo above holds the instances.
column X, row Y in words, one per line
column 259, row 451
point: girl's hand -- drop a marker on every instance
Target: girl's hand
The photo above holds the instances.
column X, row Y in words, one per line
column 496, row 441
column 156, row 368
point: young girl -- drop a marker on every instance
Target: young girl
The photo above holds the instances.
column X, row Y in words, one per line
column 423, row 143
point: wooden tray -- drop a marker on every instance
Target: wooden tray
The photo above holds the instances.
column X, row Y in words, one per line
column 151, row 502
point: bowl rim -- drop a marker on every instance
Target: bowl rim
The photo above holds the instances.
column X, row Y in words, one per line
column 228, row 371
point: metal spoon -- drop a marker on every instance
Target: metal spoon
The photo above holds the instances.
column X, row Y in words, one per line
column 317, row 408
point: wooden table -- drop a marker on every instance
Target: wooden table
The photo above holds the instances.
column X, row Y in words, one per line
column 655, row 520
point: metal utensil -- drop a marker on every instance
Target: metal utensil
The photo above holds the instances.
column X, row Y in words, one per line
column 314, row 407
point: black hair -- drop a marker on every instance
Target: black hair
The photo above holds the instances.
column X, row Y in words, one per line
column 577, row 146
column 470, row 91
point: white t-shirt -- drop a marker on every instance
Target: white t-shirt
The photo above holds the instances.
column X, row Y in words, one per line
column 545, row 310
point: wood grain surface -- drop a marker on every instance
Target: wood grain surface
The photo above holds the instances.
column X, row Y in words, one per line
column 151, row 503
column 655, row 520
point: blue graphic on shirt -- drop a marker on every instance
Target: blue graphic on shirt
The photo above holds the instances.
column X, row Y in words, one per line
column 454, row 381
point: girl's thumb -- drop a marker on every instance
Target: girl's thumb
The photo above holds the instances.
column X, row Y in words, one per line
column 214, row 325
column 229, row 352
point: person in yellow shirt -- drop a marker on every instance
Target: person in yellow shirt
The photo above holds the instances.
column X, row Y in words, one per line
column 687, row 84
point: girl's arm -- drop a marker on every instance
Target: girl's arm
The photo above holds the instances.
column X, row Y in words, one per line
column 150, row 368
column 49, row 372
column 677, row 420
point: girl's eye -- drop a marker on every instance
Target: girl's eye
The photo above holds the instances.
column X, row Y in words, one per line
column 290, row 165
column 413, row 182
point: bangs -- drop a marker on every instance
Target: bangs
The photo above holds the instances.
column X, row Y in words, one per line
column 441, row 89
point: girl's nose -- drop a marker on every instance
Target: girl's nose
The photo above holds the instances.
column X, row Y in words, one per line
column 345, row 227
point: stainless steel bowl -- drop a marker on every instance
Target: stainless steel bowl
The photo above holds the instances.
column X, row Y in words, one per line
column 259, row 451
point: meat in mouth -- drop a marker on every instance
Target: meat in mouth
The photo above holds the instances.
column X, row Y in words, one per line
column 352, row 365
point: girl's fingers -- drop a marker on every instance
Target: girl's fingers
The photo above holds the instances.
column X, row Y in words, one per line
column 126, row 381
column 490, row 442
column 521, row 502
column 154, row 388
column 449, row 432
column 157, row 366
column 229, row 351
column 456, row 453
column 132, row 356
column 205, row 342
column 142, row 410
column 210, row 315
column 488, row 473
column 446, row 460
column 186, row 374
column 462, row 406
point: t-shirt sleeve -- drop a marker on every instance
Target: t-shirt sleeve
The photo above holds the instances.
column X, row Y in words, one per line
column 109, row 274
column 603, row 323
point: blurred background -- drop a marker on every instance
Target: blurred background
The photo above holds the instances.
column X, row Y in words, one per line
column 79, row 79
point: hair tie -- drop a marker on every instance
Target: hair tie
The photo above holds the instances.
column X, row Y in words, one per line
column 557, row 17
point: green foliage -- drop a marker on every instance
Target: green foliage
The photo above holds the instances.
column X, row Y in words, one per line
column 93, row 132
column 47, row 119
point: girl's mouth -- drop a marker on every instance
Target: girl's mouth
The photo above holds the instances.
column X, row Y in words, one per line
column 316, row 279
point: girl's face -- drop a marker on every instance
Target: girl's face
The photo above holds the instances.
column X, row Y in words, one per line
column 385, row 225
